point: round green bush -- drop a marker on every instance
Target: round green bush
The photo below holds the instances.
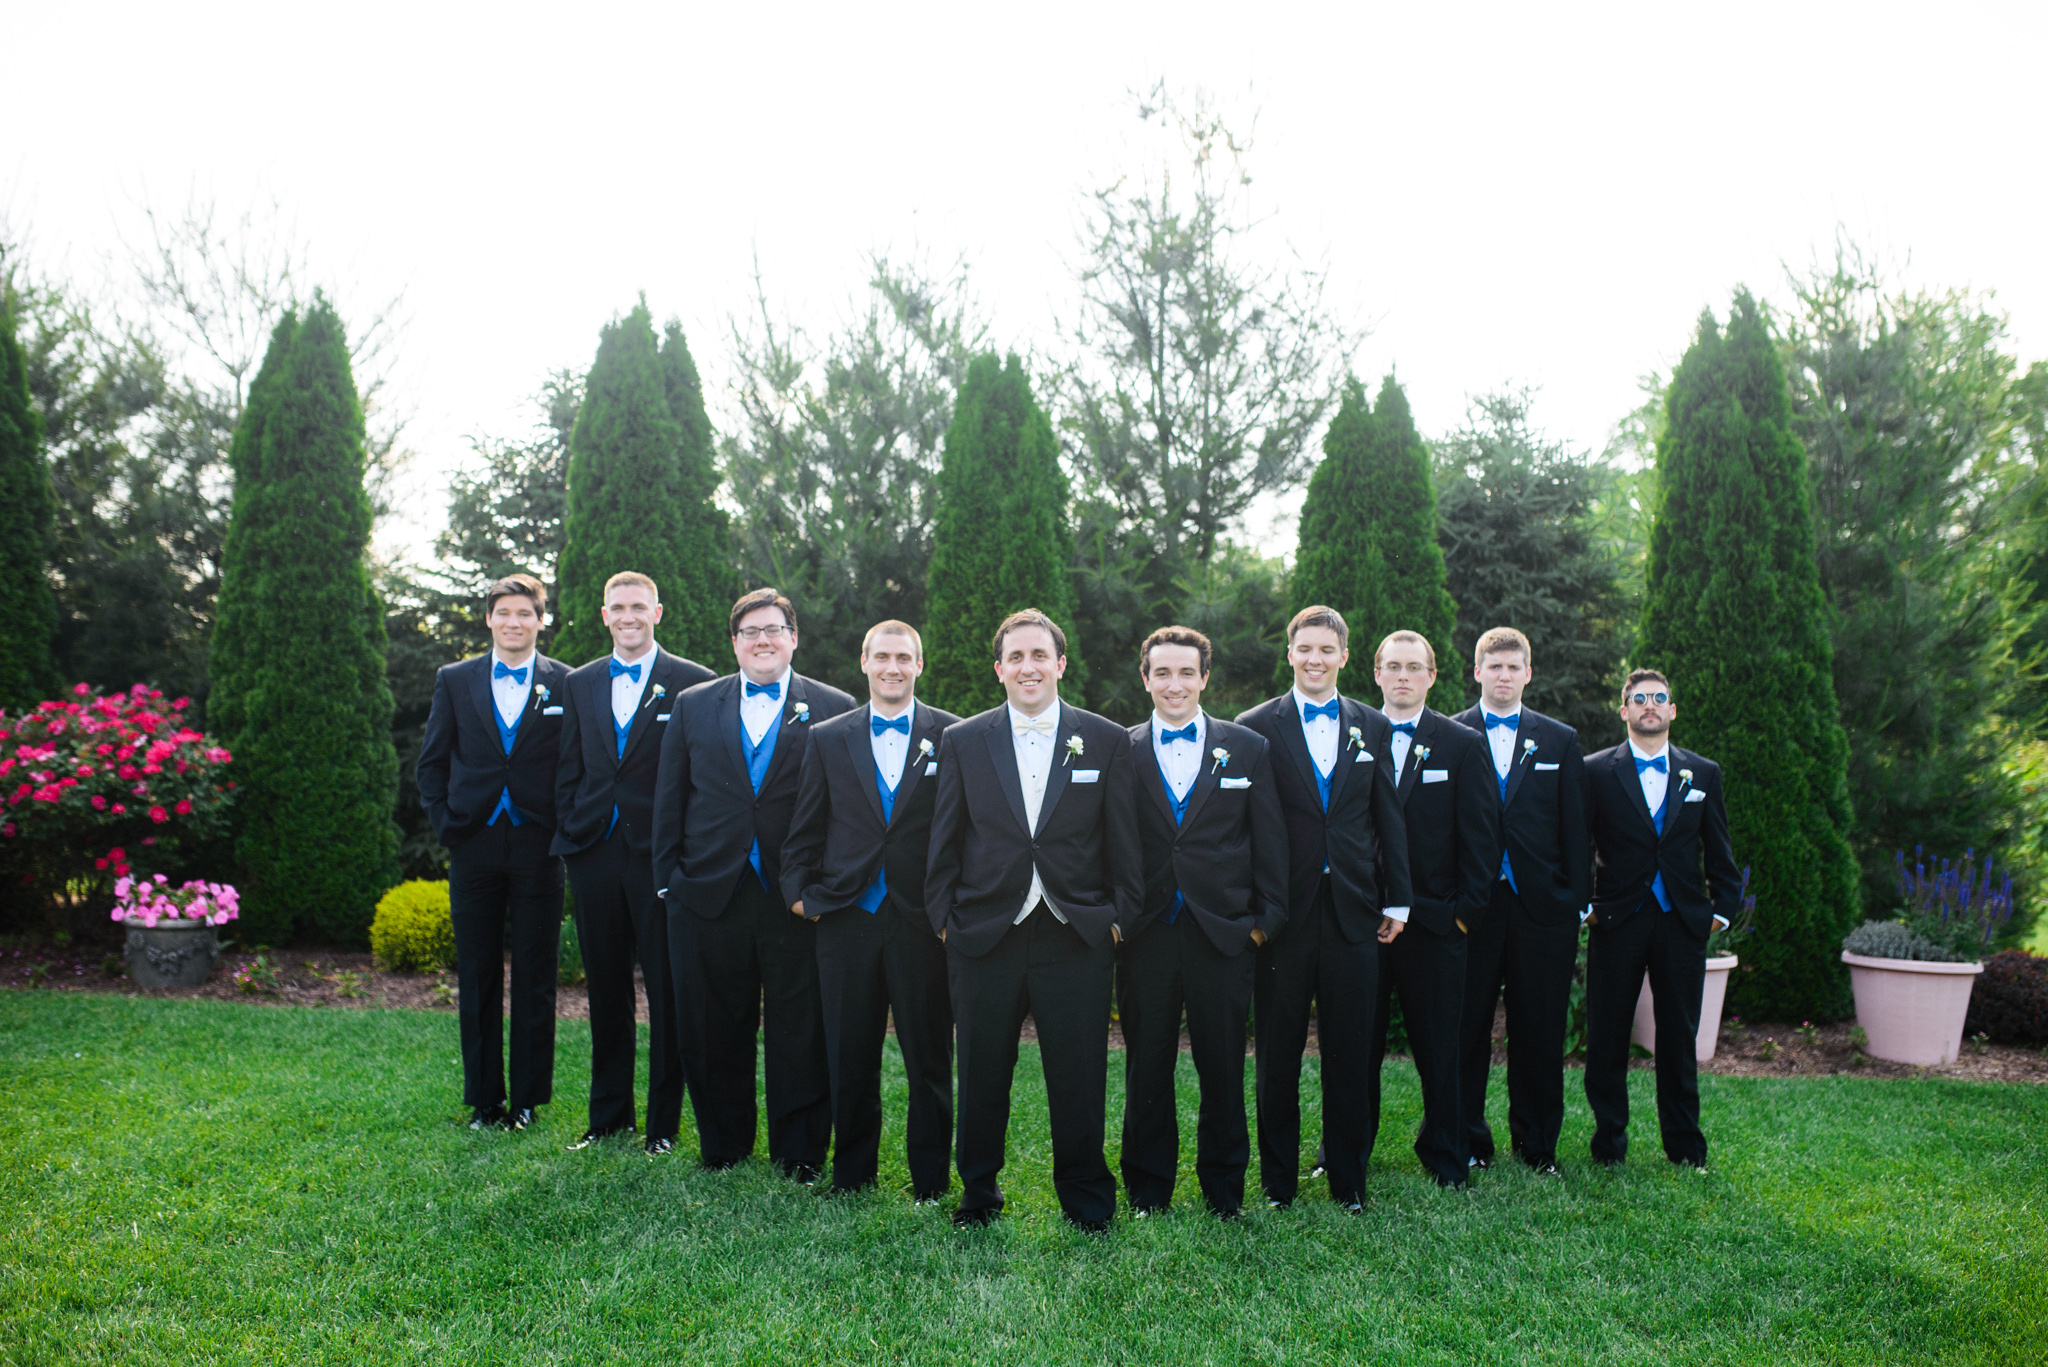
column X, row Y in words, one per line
column 412, row 929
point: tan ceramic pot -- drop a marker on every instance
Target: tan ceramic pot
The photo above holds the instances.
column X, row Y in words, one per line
column 1913, row 1012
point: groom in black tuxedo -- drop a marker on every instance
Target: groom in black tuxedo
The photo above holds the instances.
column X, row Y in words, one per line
column 1523, row 946
column 723, row 797
column 1348, row 891
column 487, row 781
column 855, row 864
column 1666, row 877
column 615, row 709
column 1215, row 846
column 1035, row 874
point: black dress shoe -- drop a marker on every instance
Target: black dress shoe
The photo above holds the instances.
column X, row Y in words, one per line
column 589, row 1137
column 486, row 1117
column 1450, row 1184
column 1352, row 1207
column 1480, row 1162
column 1234, row 1213
column 1696, row 1164
column 803, row 1174
column 522, row 1119
column 1146, row 1212
column 1542, row 1167
column 1095, row 1227
column 720, row 1164
column 658, row 1147
column 975, row 1219
column 927, row 1198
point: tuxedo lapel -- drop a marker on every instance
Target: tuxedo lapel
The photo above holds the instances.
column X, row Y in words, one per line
column 1002, row 754
column 1521, row 760
column 659, row 665
column 1149, row 775
column 860, row 748
column 597, row 705
column 1350, row 717
column 1625, row 774
column 535, row 701
column 1062, row 762
column 1294, row 740
column 729, row 724
column 780, row 760
column 1206, row 777
column 914, row 762
column 480, row 694
column 1411, row 773
column 1674, row 793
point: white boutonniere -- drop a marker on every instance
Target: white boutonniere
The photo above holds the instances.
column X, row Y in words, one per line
column 924, row 745
column 1528, row 748
column 1221, row 756
column 1421, row 753
column 540, row 694
column 1357, row 739
column 801, row 712
column 654, row 695
column 1075, row 748
column 1684, row 779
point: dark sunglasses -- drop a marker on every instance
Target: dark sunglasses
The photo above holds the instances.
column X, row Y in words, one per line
column 1658, row 698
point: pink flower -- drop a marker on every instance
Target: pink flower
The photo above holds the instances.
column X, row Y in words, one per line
column 99, row 804
column 159, row 815
column 8, row 830
column 83, row 690
column 121, row 887
column 184, row 807
column 99, row 863
column 127, row 771
column 120, row 807
column 85, row 770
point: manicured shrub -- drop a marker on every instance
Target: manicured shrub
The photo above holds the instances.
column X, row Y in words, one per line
column 412, row 929
column 1897, row 940
column 28, row 607
column 2010, row 999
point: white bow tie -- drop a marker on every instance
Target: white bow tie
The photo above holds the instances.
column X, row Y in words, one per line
column 1045, row 723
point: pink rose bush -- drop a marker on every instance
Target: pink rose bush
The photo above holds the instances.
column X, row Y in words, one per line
column 153, row 902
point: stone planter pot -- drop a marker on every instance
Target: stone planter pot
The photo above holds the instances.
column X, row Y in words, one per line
column 1712, row 997
column 171, row 956
column 1913, row 1012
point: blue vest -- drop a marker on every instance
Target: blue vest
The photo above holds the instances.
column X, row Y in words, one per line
column 1180, row 814
column 758, row 759
column 871, row 900
column 1505, row 871
column 1657, row 883
column 508, row 736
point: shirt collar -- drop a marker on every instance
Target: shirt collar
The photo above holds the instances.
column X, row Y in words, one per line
column 1641, row 753
column 1201, row 720
column 1302, row 704
column 1016, row 716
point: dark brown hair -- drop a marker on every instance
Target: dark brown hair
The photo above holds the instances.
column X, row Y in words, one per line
column 517, row 586
column 1320, row 616
column 1175, row 636
column 758, row 599
column 1030, row 617
column 1636, row 676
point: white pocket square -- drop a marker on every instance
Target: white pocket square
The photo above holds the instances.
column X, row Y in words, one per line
column 1695, row 796
column 551, row 711
column 1436, row 776
column 1237, row 783
column 1087, row 775
column 661, row 716
column 931, row 769
column 1363, row 756
column 1542, row 768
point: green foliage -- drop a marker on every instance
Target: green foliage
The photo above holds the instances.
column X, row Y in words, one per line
column 299, row 687
column 1519, row 523
column 1734, row 615
column 1238, row 600
column 412, row 929
column 2009, row 1001
column 1368, row 543
column 640, row 494
column 28, row 608
column 1897, row 940
column 1000, row 540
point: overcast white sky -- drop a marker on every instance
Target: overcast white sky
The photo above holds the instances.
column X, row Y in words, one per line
column 1525, row 194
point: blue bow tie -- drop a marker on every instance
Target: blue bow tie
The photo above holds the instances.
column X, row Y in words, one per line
column 1509, row 722
column 1314, row 710
column 1406, row 727
column 880, row 724
column 632, row 671
column 1658, row 764
column 773, row 690
column 1186, row 733
column 517, row 676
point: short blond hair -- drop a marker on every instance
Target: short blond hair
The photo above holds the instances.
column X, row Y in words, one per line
column 892, row 627
column 1406, row 638
column 1500, row 641
column 630, row 577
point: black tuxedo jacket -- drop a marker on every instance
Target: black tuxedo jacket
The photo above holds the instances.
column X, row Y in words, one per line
column 1362, row 837
column 592, row 777
column 1451, row 802
column 1085, row 847
column 837, row 838
column 1694, row 854
column 463, row 766
column 706, row 812
column 1543, row 820
column 1228, row 856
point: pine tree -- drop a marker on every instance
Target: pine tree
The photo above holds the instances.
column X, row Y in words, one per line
column 298, row 670
column 1000, row 539
column 28, row 606
column 640, row 485
column 1733, row 613
column 1368, row 543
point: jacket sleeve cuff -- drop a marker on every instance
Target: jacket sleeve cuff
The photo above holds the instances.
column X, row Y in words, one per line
column 1395, row 914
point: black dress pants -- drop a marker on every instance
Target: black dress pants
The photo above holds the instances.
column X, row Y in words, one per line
column 1658, row 943
column 1529, row 961
column 755, row 954
column 1429, row 972
column 1044, row 969
column 1311, row 961
column 505, row 892
column 1164, row 970
column 617, row 915
column 872, row 966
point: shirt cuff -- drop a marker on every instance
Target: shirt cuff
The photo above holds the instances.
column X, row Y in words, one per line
column 1584, row 914
column 1395, row 914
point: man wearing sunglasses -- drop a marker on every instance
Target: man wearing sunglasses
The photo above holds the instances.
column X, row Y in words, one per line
column 1665, row 876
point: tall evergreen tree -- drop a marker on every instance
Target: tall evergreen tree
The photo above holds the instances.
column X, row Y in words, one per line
column 28, row 607
column 1000, row 540
column 640, row 486
column 1368, row 538
column 299, row 688
column 1733, row 612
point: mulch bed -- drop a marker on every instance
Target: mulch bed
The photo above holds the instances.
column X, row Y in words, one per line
column 343, row 979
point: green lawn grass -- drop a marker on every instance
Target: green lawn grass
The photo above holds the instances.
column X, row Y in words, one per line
column 200, row 1181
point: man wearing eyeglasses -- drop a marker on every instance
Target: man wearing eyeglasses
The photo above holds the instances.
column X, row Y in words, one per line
column 1666, row 878
column 730, row 762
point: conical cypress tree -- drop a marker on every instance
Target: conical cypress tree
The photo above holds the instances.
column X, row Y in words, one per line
column 28, row 606
column 1733, row 613
column 1368, row 544
column 640, row 485
column 1000, row 539
column 298, row 673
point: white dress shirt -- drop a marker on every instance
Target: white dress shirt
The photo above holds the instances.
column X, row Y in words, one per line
column 758, row 712
column 1504, row 741
column 509, row 695
column 1322, row 734
column 1402, row 742
column 1180, row 762
column 1655, row 785
column 1033, row 747
column 892, row 748
column 626, row 694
